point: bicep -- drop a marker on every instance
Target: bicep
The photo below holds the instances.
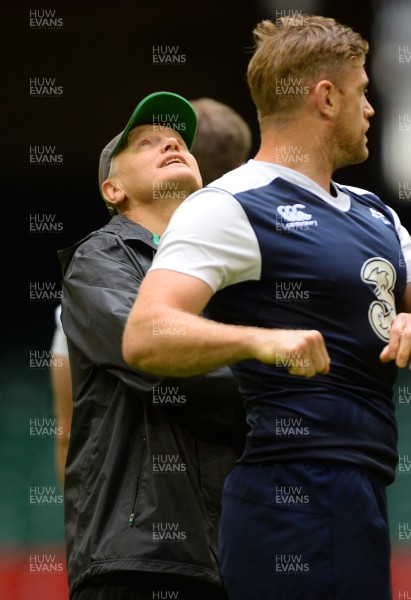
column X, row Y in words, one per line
column 167, row 289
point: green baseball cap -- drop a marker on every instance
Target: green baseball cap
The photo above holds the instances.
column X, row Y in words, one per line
column 161, row 109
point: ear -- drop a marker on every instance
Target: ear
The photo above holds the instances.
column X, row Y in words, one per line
column 327, row 98
column 113, row 191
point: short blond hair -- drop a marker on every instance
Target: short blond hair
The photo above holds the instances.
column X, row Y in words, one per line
column 293, row 53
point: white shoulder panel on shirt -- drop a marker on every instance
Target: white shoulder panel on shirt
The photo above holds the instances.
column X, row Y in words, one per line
column 210, row 237
column 405, row 240
column 402, row 232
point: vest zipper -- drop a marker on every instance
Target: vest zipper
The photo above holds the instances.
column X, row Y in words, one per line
column 132, row 516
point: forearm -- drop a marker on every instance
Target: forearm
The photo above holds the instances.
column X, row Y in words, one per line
column 399, row 343
column 180, row 344
column 63, row 410
column 61, row 449
column 165, row 334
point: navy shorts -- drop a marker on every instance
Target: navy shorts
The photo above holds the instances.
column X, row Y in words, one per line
column 304, row 532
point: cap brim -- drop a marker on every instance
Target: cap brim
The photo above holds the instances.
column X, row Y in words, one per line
column 163, row 109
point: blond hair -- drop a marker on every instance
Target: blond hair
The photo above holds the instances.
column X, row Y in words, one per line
column 293, row 53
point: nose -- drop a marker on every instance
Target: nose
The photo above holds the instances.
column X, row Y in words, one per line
column 369, row 111
column 171, row 143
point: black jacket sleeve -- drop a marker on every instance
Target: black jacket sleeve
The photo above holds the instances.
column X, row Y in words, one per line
column 99, row 289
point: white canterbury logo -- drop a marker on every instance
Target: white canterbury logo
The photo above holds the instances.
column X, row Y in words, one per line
column 378, row 215
column 292, row 213
column 296, row 218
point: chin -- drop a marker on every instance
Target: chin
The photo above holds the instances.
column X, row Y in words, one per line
column 364, row 154
column 188, row 180
column 360, row 155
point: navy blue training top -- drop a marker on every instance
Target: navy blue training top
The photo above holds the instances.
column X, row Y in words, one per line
column 331, row 264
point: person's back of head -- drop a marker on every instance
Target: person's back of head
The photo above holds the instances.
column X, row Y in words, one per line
column 223, row 140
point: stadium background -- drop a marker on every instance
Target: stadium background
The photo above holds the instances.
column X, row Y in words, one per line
column 72, row 76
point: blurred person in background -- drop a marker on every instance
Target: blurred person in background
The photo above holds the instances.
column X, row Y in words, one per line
column 62, row 394
column 223, row 141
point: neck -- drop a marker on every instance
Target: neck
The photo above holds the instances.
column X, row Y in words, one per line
column 298, row 147
column 155, row 216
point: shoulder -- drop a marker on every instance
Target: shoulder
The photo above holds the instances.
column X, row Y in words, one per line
column 112, row 235
column 119, row 229
column 112, row 242
column 366, row 196
column 224, row 195
column 370, row 200
column 252, row 175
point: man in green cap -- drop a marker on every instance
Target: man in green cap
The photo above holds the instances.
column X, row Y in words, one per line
column 147, row 455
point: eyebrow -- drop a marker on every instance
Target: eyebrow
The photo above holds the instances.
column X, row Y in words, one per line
column 133, row 135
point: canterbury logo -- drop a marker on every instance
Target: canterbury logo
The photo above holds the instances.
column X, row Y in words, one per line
column 293, row 213
column 377, row 215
